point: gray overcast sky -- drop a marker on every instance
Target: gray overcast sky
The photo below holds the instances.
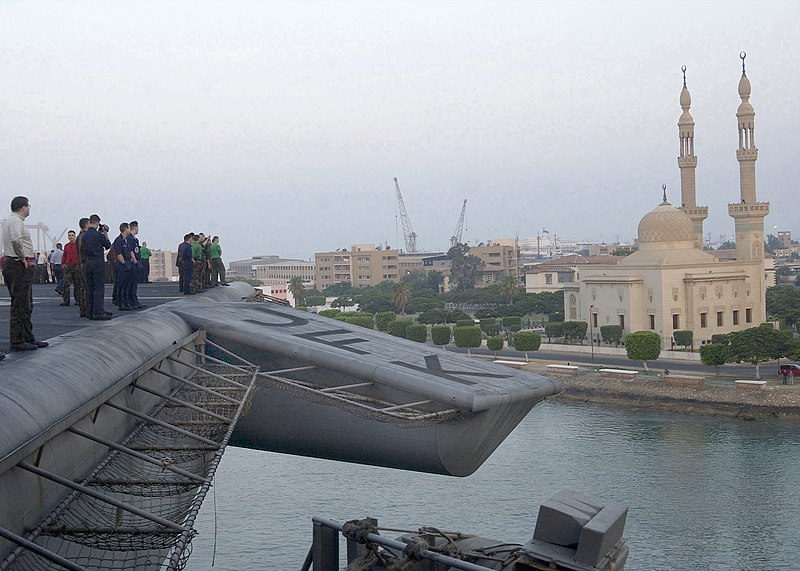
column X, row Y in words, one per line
column 279, row 126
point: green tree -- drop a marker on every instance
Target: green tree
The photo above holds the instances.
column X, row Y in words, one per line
column 771, row 243
column 643, row 346
column 554, row 329
column 464, row 268
column 611, row 334
column 314, row 300
column 343, row 301
column 683, row 337
column 441, row 334
column 432, row 316
column 401, row 293
column 336, row 290
column 527, row 341
column 575, row 330
column 623, row 251
column 297, row 289
column 467, row 337
column 495, row 344
column 783, row 304
column 758, row 344
column 383, row 318
column 509, row 286
column 714, row 355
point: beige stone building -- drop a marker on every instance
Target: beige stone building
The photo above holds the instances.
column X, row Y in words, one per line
column 281, row 273
column 364, row 265
column 499, row 260
column 554, row 275
column 163, row 265
column 670, row 283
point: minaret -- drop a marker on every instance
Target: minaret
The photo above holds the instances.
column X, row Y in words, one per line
column 687, row 161
column 748, row 214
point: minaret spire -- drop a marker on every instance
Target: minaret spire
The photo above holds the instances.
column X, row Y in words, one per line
column 748, row 214
column 687, row 162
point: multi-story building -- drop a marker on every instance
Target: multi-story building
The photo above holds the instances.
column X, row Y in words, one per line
column 556, row 274
column 281, row 273
column 365, row 265
column 416, row 262
column 247, row 268
column 163, row 266
column 499, row 260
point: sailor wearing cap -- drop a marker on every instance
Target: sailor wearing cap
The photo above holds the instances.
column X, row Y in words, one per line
column 95, row 242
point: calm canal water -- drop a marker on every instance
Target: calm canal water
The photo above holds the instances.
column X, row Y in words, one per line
column 703, row 493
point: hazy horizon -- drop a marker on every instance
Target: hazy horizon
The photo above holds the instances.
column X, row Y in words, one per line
column 280, row 125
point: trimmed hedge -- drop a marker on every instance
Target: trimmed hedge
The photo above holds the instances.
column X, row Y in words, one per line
column 490, row 326
column 611, row 333
column 467, row 337
column 683, row 337
column 382, row 319
column 721, row 339
column 417, row 332
column 357, row 319
column 643, row 346
column 330, row 312
column 441, row 334
column 495, row 343
column 465, row 323
column 554, row 329
column 513, row 323
column 527, row 341
column 397, row 328
column 575, row 330
column 555, row 317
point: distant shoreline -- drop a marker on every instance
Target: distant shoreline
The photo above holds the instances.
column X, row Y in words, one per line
column 650, row 393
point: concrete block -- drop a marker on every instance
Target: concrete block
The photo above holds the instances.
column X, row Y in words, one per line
column 561, row 520
column 601, row 533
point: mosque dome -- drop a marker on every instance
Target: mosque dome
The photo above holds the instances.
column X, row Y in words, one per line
column 665, row 224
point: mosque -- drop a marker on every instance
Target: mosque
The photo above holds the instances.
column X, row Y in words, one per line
column 670, row 283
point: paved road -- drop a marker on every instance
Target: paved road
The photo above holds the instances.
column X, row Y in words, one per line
column 742, row 370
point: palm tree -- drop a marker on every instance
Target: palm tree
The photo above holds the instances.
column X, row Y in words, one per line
column 297, row 289
column 400, row 296
column 508, row 287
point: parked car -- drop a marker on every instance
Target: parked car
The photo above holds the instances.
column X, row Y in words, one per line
column 794, row 368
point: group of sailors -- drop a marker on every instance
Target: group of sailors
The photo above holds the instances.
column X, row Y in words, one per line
column 81, row 265
column 200, row 264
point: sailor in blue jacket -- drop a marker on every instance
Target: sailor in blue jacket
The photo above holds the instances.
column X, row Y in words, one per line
column 95, row 243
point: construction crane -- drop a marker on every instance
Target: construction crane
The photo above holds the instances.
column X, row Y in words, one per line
column 455, row 240
column 408, row 234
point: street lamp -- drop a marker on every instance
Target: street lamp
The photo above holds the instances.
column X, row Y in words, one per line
column 591, row 331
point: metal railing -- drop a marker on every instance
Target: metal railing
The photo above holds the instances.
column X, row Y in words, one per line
column 324, row 551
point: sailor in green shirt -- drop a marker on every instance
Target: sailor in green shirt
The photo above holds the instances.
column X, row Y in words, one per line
column 145, row 253
column 217, row 266
column 197, row 265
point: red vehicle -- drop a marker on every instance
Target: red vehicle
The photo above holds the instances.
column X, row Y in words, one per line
column 794, row 368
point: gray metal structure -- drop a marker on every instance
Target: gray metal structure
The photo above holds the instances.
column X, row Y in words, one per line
column 111, row 437
column 573, row 533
